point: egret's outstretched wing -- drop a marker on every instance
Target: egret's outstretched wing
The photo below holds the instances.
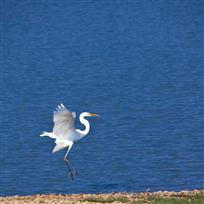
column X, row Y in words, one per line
column 63, row 122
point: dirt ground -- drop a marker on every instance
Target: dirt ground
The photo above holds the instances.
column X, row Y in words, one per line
column 115, row 198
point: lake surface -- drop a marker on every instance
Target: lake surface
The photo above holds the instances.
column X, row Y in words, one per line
column 138, row 64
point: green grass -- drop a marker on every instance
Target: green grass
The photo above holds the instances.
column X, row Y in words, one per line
column 199, row 199
column 108, row 200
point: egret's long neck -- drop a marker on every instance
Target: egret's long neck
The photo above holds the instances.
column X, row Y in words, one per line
column 86, row 124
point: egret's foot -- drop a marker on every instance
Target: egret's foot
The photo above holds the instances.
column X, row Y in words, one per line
column 72, row 170
column 73, row 173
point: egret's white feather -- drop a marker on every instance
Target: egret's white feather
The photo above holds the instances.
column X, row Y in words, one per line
column 63, row 123
column 49, row 134
column 74, row 114
column 62, row 105
column 64, row 132
column 58, row 147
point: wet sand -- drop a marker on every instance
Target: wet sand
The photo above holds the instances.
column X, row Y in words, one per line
column 116, row 198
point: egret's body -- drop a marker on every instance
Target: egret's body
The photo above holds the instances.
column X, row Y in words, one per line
column 64, row 132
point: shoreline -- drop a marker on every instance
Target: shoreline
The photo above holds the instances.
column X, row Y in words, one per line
column 144, row 197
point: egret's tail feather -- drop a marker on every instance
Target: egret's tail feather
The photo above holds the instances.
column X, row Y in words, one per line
column 49, row 134
column 58, row 147
column 43, row 134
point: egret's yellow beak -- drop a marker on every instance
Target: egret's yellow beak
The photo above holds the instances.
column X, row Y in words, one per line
column 94, row 114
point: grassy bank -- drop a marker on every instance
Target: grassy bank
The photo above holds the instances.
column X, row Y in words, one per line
column 183, row 197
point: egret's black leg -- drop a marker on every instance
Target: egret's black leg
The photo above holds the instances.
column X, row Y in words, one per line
column 72, row 170
column 68, row 165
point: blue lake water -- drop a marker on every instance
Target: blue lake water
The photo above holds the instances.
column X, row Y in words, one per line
column 138, row 64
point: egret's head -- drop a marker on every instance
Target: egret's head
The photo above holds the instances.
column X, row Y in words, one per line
column 86, row 114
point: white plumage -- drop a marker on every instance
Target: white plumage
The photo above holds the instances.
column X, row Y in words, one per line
column 64, row 132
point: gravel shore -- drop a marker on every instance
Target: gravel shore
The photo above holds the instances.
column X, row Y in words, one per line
column 116, row 198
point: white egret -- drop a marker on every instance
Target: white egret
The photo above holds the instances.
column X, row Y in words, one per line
column 64, row 132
